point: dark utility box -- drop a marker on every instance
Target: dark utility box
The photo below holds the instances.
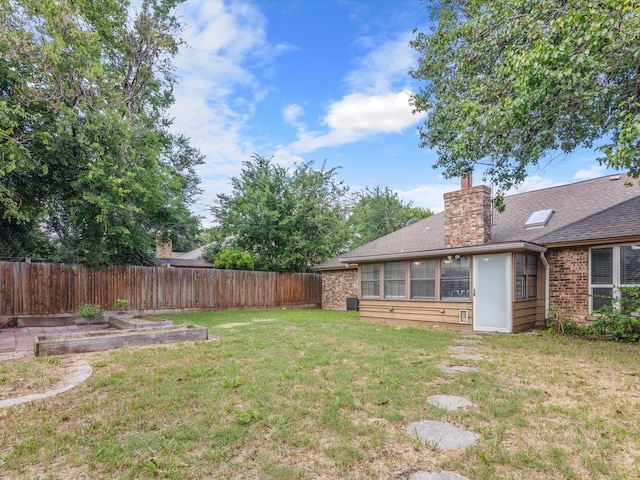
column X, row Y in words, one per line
column 352, row 304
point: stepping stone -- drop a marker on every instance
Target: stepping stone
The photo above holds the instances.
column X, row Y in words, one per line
column 463, row 348
column 473, row 337
column 467, row 356
column 440, row 435
column 450, row 402
column 457, row 369
column 422, row 475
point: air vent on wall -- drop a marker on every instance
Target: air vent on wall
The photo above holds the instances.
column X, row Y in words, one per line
column 464, row 316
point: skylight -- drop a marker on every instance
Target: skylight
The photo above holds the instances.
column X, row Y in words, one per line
column 539, row 218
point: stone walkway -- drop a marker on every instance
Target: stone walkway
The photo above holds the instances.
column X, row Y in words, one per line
column 441, row 435
column 17, row 343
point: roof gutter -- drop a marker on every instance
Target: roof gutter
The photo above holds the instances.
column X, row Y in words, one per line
column 478, row 249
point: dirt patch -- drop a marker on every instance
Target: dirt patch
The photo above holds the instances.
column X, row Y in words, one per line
column 19, row 377
column 232, row 325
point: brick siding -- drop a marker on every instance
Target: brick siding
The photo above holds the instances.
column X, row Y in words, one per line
column 467, row 219
column 569, row 282
column 337, row 285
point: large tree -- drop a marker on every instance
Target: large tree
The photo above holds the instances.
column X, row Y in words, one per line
column 89, row 171
column 289, row 220
column 378, row 212
column 507, row 83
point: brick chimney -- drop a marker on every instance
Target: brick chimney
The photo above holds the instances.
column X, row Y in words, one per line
column 467, row 215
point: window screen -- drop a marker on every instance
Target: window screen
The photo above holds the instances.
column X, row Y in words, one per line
column 526, row 276
column 370, row 280
column 423, row 279
column 394, row 279
column 602, row 266
column 454, row 278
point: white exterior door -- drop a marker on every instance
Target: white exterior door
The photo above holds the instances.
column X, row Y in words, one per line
column 492, row 301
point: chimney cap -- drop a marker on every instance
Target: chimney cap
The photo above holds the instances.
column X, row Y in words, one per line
column 466, row 181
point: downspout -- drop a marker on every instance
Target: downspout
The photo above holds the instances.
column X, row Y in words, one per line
column 546, row 286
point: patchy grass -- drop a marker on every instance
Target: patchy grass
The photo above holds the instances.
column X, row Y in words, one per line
column 19, row 378
column 293, row 394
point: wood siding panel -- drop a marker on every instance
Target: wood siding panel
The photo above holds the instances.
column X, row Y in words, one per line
column 41, row 288
column 525, row 313
column 445, row 314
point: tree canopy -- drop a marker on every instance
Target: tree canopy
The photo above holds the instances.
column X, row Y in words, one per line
column 288, row 220
column 508, row 83
column 378, row 212
column 89, row 171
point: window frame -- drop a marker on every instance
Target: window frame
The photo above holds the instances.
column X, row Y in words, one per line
column 397, row 282
column 373, row 281
column 462, row 279
column 616, row 274
column 427, row 279
column 529, row 288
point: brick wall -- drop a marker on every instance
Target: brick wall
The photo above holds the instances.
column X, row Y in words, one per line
column 337, row 285
column 569, row 282
column 467, row 217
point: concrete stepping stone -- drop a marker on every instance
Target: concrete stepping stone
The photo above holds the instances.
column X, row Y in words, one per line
column 467, row 356
column 447, row 370
column 422, row 475
column 440, row 435
column 450, row 402
column 463, row 349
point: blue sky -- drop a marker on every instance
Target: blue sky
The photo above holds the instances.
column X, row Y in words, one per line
column 320, row 80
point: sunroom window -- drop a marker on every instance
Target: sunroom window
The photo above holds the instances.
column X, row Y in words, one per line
column 394, row 280
column 370, row 280
column 454, row 278
column 423, row 279
column 612, row 267
column 526, row 276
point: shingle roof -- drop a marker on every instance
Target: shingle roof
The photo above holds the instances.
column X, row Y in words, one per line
column 184, row 262
column 598, row 209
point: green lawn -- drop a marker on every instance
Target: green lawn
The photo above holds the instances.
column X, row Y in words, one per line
column 288, row 394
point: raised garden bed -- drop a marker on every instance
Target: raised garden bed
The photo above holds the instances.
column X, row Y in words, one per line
column 139, row 322
column 150, row 332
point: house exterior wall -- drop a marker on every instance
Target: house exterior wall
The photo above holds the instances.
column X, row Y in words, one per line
column 569, row 282
column 529, row 313
column 411, row 312
column 467, row 219
column 337, row 285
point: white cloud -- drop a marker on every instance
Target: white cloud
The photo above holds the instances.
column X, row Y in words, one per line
column 386, row 113
column 357, row 116
column 378, row 102
column 383, row 67
column 428, row 196
column 216, row 94
column 292, row 112
column 535, row 182
column 589, row 173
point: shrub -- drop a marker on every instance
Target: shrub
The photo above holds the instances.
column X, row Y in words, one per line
column 122, row 304
column 619, row 320
column 234, row 259
column 559, row 322
column 90, row 310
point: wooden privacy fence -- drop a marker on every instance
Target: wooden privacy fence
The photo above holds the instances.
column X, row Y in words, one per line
column 47, row 288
